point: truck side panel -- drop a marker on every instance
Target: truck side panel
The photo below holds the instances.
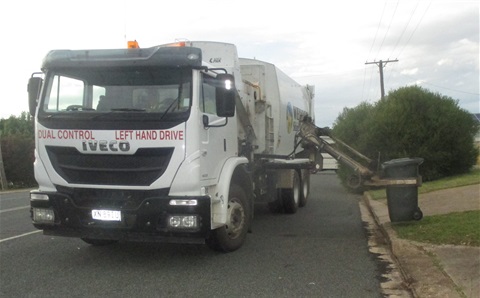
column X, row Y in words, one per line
column 276, row 104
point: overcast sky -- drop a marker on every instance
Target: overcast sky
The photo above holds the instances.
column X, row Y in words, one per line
column 321, row 43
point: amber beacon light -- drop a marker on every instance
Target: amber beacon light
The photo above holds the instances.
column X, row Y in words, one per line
column 132, row 44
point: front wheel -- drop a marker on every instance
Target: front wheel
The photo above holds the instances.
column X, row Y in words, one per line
column 232, row 236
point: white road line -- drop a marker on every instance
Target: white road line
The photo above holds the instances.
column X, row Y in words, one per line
column 22, row 235
column 14, row 209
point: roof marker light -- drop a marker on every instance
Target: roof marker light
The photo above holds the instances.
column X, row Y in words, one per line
column 132, row 44
column 178, row 44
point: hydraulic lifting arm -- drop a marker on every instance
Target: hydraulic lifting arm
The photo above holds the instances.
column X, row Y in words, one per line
column 363, row 175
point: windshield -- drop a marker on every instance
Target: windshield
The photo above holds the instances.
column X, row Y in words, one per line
column 152, row 93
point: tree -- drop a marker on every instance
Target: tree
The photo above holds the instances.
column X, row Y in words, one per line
column 413, row 122
column 17, row 144
column 22, row 125
column 3, row 176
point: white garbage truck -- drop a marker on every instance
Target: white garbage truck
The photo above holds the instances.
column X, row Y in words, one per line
column 172, row 143
column 176, row 143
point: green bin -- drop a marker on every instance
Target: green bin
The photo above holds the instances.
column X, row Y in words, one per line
column 402, row 200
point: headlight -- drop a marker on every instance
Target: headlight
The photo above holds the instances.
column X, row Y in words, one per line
column 43, row 216
column 183, row 222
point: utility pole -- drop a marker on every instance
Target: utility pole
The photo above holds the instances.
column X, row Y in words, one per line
column 381, row 64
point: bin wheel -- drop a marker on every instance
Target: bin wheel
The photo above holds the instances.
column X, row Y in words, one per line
column 418, row 214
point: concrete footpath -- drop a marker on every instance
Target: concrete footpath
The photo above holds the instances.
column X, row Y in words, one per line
column 435, row 270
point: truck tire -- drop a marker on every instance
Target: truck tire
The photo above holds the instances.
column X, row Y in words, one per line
column 98, row 242
column 232, row 236
column 291, row 196
column 305, row 190
column 276, row 206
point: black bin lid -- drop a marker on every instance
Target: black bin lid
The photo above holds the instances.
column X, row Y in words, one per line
column 401, row 162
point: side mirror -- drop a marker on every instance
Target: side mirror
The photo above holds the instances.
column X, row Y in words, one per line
column 225, row 95
column 33, row 89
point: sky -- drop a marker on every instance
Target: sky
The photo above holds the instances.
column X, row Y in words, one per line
column 320, row 43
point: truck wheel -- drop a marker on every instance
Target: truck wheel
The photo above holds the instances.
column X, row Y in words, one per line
column 276, row 206
column 291, row 196
column 305, row 189
column 98, row 242
column 232, row 236
column 354, row 184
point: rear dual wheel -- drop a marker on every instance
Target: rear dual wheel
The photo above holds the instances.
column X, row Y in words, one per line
column 291, row 196
column 305, row 185
column 289, row 199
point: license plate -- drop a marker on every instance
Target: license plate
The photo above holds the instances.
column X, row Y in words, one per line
column 107, row 215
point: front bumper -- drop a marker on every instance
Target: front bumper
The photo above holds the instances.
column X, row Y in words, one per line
column 145, row 215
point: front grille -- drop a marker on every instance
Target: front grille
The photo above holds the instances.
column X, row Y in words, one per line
column 116, row 199
column 140, row 169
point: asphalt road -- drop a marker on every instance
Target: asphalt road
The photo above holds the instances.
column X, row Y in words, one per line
column 321, row 251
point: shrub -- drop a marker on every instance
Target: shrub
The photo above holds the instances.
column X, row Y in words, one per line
column 413, row 122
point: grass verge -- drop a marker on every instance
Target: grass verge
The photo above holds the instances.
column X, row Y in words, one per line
column 460, row 228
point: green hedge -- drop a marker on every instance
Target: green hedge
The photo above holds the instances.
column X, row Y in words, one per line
column 413, row 122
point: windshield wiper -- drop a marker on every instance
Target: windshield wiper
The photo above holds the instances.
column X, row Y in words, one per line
column 169, row 107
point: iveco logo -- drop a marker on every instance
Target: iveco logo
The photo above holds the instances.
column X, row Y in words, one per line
column 112, row 146
column 215, row 60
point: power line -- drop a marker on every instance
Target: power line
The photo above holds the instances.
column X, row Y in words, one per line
column 378, row 27
column 388, row 29
column 369, row 83
column 414, row 30
column 364, row 76
column 455, row 90
column 369, row 52
column 405, row 28
column 389, row 75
